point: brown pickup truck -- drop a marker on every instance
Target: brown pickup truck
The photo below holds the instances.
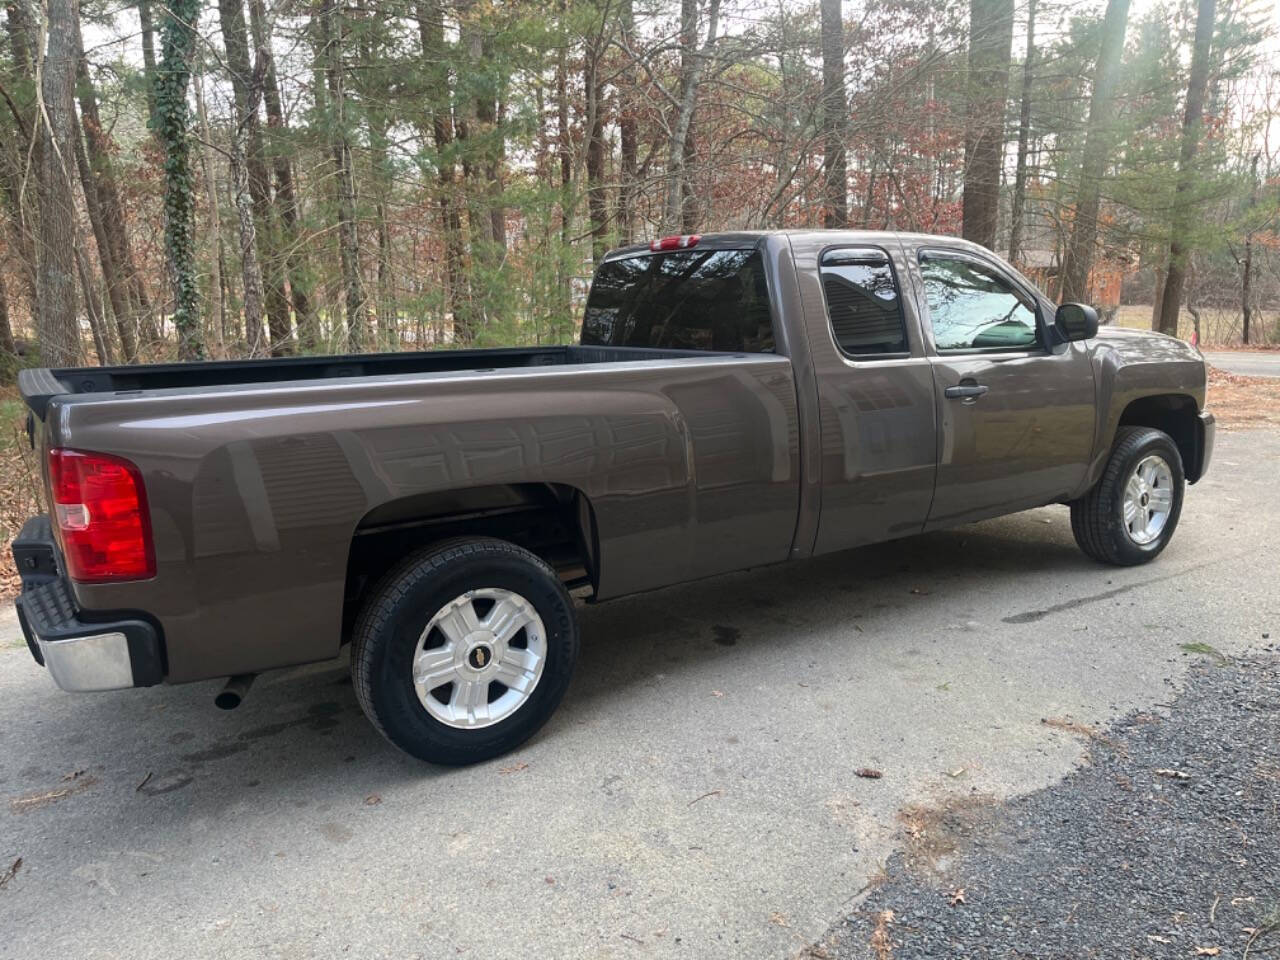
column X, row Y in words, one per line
column 736, row 400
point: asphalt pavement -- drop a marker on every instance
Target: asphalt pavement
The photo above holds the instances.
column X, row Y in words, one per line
column 1249, row 363
column 698, row 793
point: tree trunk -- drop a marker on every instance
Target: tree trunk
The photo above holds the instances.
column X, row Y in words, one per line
column 1182, row 205
column 1098, row 143
column 27, row 148
column 93, row 307
column 431, row 34
column 115, row 226
column 1018, row 209
column 147, row 23
column 835, row 112
column 217, row 306
column 564, row 146
column 990, row 46
column 59, row 329
column 290, row 239
column 1246, row 280
column 117, row 286
column 627, row 132
column 8, row 354
column 331, row 35
column 251, row 274
column 597, row 203
column 386, row 316
column 177, row 45
column 693, row 61
column 247, row 86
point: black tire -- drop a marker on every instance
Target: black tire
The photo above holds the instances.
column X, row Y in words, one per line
column 391, row 623
column 1097, row 518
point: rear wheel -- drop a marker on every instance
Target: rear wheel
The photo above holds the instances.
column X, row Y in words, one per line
column 1129, row 517
column 464, row 651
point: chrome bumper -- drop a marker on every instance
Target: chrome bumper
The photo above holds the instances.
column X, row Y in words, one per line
column 99, row 661
column 83, row 651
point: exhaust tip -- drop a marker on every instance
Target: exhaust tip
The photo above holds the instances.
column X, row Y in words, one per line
column 233, row 694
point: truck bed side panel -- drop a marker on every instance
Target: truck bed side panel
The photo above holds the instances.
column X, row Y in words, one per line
column 691, row 468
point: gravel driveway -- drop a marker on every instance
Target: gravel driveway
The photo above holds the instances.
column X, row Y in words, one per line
column 696, row 795
column 1166, row 844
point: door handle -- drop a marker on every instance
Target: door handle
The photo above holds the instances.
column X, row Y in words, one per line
column 965, row 391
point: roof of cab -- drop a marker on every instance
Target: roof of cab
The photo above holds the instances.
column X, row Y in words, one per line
column 737, row 238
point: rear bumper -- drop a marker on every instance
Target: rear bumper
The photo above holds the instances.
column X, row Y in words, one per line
column 82, row 651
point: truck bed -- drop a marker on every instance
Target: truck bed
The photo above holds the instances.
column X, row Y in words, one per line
column 38, row 386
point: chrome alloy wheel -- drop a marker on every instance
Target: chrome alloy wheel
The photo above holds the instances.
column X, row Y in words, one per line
column 1148, row 498
column 480, row 658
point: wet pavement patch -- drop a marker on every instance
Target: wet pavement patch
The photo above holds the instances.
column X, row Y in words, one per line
column 1166, row 843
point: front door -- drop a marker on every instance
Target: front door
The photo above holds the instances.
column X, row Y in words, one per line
column 1015, row 415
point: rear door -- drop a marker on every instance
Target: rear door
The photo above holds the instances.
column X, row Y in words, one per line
column 1015, row 414
column 874, row 387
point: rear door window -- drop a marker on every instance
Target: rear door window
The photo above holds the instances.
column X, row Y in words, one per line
column 863, row 304
column 685, row 300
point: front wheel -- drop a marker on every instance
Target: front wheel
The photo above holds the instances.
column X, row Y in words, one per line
column 1130, row 515
column 464, row 651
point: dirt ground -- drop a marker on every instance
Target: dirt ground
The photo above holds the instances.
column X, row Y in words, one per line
column 1238, row 401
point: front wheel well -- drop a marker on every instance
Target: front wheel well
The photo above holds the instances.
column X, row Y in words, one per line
column 1174, row 414
column 555, row 522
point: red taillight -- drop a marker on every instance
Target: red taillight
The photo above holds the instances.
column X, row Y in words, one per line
column 100, row 508
column 675, row 243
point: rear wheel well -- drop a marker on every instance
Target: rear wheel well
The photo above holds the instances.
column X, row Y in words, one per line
column 1174, row 414
column 554, row 522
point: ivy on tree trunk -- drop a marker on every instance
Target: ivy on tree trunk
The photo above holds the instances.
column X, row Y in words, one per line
column 177, row 42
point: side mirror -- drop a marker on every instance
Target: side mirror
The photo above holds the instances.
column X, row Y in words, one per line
column 1076, row 321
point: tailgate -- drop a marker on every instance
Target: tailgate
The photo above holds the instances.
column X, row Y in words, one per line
column 38, row 386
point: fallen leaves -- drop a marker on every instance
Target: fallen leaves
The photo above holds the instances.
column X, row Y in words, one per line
column 372, row 800
column 514, row 768
column 868, row 773
column 1208, row 951
column 1172, row 774
column 881, row 944
column 956, row 897
column 778, row 919
column 1240, row 401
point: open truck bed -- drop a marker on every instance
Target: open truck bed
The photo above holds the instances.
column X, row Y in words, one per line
column 38, row 386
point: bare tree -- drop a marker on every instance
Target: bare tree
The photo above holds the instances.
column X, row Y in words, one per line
column 1018, row 207
column 58, row 330
column 990, row 47
column 1171, row 299
column 835, row 111
column 693, row 62
column 1098, row 145
column 627, row 126
column 331, row 40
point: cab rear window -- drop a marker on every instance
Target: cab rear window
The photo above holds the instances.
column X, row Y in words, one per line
column 686, row 300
